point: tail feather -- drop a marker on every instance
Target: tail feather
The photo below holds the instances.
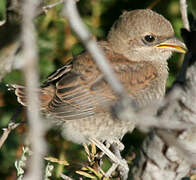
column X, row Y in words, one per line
column 19, row 92
column 46, row 94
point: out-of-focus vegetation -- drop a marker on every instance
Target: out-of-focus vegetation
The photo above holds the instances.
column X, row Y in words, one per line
column 2, row 10
column 57, row 44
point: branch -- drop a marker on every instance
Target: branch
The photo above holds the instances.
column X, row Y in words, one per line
column 183, row 9
column 11, row 125
column 70, row 11
column 125, row 107
column 30, row 55
column 6, row 132
column 8, row 56
column 47, row 7
column 2, row 22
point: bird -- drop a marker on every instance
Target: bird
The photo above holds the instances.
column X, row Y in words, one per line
column 78, row 99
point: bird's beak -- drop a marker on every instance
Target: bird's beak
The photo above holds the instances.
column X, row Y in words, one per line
column 173, row 44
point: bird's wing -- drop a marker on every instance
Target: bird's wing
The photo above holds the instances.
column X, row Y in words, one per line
column 47, row 89
column 83, row 91
column 78, row 89
column 57, row 74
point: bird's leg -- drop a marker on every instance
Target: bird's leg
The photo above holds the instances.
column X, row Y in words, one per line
column 116, row 158
column 123, row 168
column 111, row 170
column 105, row 150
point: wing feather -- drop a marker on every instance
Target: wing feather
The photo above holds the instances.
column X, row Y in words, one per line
column 83, row 91
column 78, row 89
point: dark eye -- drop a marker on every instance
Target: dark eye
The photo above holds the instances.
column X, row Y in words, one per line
column 149, row 38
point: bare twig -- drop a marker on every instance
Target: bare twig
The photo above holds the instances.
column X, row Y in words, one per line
column 183, row 9
column 47, row 7
column 30, row 54
column 2, row 22
column 6, row 132
column 8, row 56
column 125, row 108
column 11, row 125
column 70, row 11
column 63, row 176
column 113, row 157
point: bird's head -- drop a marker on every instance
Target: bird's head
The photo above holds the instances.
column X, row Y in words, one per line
column 144, row 35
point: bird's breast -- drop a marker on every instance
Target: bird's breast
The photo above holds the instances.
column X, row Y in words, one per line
column 151, row 93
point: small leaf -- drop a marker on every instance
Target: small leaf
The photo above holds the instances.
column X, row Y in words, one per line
column 52, row 159
column 86, row 149
column 93, row 148
column 98, row 174
column 84, row 168
column 86, row 174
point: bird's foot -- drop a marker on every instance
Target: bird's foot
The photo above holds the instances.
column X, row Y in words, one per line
column 118, row 162
column 123, row 168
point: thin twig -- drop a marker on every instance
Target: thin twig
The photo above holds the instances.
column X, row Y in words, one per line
column 183, row 9
column 75, row 21
column 2, row 22
column 30, row 54
column 47, row 7
column 124, row 110
column 107, row 152
column 6, row 132
column 70, row 11
column 11, row 125
column 63, row 176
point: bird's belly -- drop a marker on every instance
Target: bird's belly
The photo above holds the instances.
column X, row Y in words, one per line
column 102, row 127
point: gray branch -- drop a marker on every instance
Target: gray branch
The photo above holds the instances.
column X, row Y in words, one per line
column 30, row 56
column 70, row 11
column 8, row 56
column 183, row 9
column 170, row 154
column 6, row 132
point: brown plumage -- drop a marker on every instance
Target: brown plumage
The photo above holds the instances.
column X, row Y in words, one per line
column 77, row 95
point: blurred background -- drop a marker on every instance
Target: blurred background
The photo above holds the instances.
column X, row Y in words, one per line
column 57, row 44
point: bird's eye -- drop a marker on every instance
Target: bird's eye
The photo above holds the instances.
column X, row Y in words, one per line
column 149, row 38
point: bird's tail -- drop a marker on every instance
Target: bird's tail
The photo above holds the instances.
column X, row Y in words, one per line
column 46, row 94
column 20, row 93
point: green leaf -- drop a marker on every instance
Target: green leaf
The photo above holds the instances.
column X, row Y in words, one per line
column 86, row 174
